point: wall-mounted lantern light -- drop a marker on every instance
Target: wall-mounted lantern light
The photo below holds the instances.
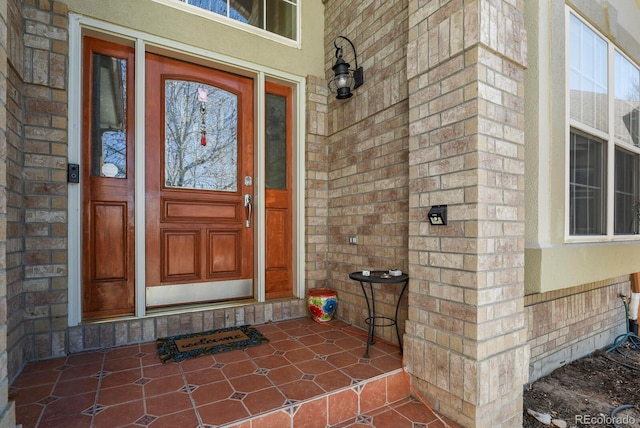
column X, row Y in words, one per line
column 438, row 215
column 345, row 79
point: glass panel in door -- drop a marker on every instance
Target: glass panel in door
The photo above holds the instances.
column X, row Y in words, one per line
column 201, row 129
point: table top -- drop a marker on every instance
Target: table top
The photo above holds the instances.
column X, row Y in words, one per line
column 376, row 276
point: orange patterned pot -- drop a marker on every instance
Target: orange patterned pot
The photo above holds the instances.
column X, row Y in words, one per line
column 322, row 303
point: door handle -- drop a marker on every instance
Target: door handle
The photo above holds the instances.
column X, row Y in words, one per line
column 248, row 203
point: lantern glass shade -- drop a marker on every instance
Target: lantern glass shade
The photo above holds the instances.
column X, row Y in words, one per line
column 342, row 82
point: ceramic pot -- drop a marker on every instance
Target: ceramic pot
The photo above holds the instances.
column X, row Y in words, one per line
column 322, row 303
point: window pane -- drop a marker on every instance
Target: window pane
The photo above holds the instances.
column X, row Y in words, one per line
column 280, row 15
column 276, row 141
column 626, row 81
column 587, row 76
column 201, row 128
column 217, row 6
column 281, row 18
column 109, row 132
column 248, row 11
column 586, row 195
column 626, row 192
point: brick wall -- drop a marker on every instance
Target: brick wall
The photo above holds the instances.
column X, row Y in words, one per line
column 19, row 345
column 127, row 331
column 316, row 182
column 568, row 324
column 368, row 169
column 45, row 175
column 7, row 408
column 38, row 189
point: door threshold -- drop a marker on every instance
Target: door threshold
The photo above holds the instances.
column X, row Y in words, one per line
column 196, row 307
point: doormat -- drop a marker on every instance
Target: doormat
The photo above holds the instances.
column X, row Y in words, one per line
column 183, row 346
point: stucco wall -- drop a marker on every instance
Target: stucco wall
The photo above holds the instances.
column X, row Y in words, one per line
column 156, row 18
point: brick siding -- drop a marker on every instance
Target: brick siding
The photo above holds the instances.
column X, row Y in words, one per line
column 568, row 324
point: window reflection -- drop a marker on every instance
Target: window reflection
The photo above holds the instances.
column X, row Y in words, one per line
column 109, row 92
column 626, row 99
column 276, row 142
column 190, row 161
column 588, row 76
column 626, row 191
column 276, row 16
column 586, row 186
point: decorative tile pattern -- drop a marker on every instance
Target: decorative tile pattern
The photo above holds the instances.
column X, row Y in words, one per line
column 94, row 410
column 50, row 399
column 100, row 374
column 188, row 388
column 292, row 409
column 142, row 381
column 146, row 420
column 200, row 385
column 361, row 419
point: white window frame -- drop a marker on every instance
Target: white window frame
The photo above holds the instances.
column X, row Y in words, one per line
column 78, row 25
column 607, row 137
column 178, row 4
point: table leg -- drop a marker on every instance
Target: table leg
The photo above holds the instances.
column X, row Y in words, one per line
column 370, row 319
column 404, row 287
column 373, row 315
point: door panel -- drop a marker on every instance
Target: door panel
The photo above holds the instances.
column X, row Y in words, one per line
column 107, row 180
column 179, row 249
column 199, row 148
column 225, row 253
column 189, row 211
column 112, row 238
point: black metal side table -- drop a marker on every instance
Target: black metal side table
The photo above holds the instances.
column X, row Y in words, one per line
column 374, row 320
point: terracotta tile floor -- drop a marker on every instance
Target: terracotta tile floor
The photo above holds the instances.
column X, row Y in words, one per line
column 129, row 386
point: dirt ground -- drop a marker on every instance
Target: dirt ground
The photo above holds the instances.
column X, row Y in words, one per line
column 584, row 392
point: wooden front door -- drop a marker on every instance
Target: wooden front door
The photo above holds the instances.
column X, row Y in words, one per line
column 198, row 184
column 106, row 175
column 278, row 191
